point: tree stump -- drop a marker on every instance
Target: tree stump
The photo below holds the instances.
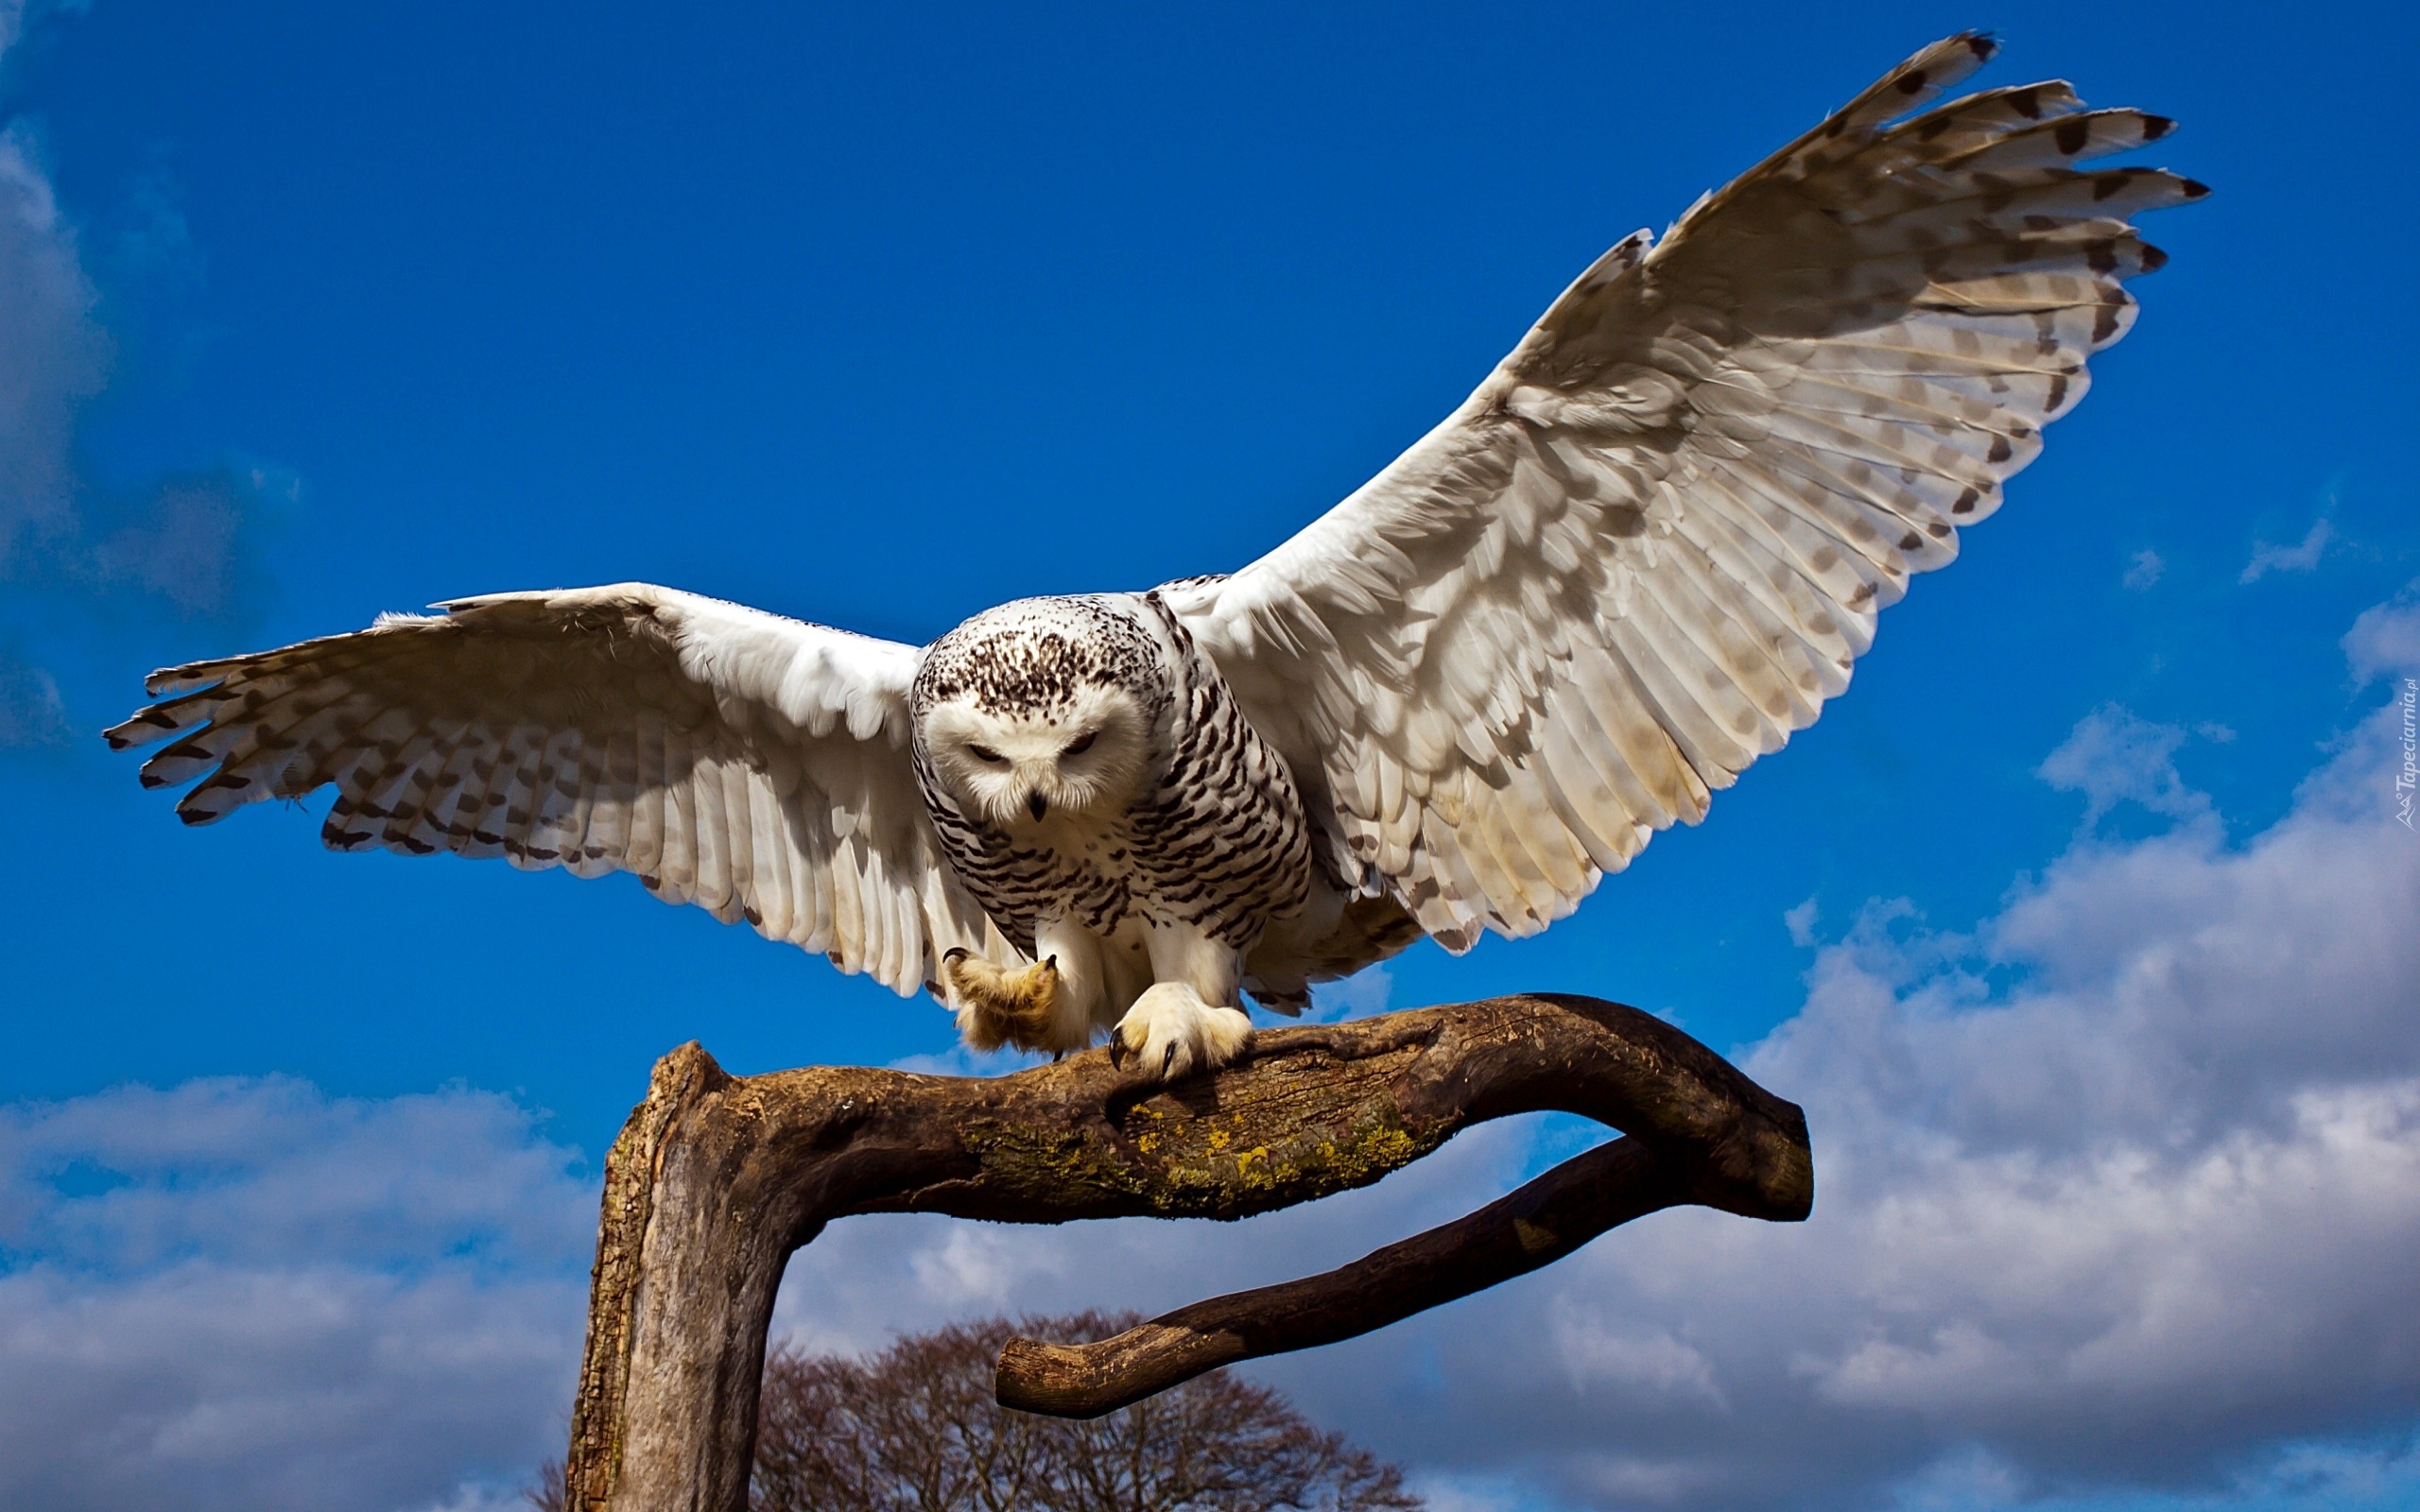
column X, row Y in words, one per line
column 716, row 1179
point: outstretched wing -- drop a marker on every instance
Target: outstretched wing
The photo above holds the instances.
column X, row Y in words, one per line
column 1653, row 542
column 751, row 764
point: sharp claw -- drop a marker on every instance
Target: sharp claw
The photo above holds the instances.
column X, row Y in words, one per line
column 1116, row 1049
column 1166, row 1061
column 955, row 952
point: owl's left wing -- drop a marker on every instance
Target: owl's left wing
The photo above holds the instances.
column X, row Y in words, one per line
column 755, row 766
column 1653, row 542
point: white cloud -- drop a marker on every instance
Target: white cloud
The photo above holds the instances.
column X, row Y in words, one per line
column 963, row 1060
column 2143, row 570
column 1473, row 1494
column 2113, row 757
column 2301, row 557
column 270, row 1170
column 247, row 1295
column 1358, row 996
column 1647, row 1362
column 302, row 1388
column 2386, row 639
column 1800, row 921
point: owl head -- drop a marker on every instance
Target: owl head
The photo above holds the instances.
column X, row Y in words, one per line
column 1038, row 709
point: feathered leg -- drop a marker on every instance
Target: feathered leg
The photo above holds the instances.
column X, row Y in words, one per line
column 1186, row 1021
column 1000, row 1005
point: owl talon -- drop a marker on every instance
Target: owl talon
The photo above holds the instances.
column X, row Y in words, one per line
column 1172, row 1028
column 998, row 1007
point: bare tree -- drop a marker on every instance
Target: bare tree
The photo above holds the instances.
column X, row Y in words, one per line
column 915, row 1429
column 549, row 1494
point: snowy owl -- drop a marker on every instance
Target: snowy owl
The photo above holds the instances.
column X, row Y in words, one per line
column 1638, row 557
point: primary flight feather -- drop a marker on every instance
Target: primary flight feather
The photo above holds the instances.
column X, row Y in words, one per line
column 1642, row 553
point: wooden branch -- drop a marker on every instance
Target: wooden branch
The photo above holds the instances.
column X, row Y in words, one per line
column 716, row 1179
column 1536, row 1226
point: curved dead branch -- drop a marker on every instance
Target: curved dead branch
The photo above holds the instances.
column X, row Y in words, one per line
column 716, row 1179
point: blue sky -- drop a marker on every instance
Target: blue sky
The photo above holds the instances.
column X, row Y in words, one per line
column 882, row 316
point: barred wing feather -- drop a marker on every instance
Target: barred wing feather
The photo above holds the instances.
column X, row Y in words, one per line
column 1653, row 542
column 755, row 766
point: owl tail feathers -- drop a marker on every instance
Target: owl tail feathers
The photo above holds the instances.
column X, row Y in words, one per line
column 1287, row 996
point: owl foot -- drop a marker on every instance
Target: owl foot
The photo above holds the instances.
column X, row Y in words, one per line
column 1171, row 1032
column 998, row 1005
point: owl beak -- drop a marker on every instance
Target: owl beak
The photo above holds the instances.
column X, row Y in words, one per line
column 1036, row 804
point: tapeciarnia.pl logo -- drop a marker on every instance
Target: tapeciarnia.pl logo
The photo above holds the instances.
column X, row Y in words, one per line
column 2410, row 777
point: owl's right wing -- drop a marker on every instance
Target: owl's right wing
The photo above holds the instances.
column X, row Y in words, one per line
column 1652, row 543
column 755, row 766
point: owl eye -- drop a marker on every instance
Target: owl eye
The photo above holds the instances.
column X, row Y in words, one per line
column 1082, row 743
column 984, row 753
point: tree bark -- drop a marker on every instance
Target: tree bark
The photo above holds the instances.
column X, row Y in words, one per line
column 716, row 1179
